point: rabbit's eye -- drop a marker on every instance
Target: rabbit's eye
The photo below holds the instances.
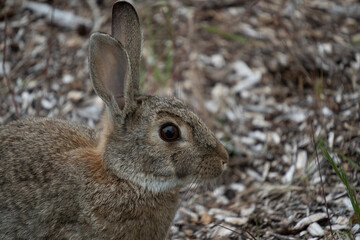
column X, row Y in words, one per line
column 169, row 132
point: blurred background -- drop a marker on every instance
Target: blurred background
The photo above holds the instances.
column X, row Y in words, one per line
column 271, row 78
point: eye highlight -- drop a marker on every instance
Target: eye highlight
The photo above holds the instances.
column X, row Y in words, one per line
column 169, row 132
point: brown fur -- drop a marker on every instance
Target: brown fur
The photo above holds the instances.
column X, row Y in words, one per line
column 60, row 181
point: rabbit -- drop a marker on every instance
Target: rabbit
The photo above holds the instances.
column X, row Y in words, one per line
column 59, row 180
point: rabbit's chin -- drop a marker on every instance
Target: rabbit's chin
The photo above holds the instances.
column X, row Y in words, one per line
column 159, row 184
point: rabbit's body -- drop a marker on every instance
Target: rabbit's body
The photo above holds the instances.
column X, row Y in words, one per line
column 59, row 197
column 63, row 181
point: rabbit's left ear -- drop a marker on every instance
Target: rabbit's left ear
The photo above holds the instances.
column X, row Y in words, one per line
column 126, row 29
column 110, row 71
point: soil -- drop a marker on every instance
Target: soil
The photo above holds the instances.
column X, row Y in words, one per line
column 271, row 78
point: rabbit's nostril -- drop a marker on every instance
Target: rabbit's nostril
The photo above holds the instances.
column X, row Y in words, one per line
column 224, row 161
column 225, row 157
column 222, row 153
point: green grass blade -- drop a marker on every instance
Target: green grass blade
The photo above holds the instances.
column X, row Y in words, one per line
column 160, row 4
column 230, row 36
column 349, row 160
column 341, row 173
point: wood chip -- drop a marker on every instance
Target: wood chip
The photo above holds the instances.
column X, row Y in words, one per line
column 205, row 218
column 315, row 230
column 75, row 96
column 236, row 221
column 308, row 220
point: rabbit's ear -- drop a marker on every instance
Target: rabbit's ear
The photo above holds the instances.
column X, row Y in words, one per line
column 110, row 71
column 126, row 29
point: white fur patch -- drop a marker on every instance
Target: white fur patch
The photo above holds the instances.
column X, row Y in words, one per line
column 157, row 185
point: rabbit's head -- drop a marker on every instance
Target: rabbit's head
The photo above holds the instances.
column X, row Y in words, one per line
column 155, row 142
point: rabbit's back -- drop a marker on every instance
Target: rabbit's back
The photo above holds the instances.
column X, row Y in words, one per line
column 41, row 133
column 36, row 182
column 28, row 147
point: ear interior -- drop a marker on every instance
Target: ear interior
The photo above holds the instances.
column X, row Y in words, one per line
column 109, row 68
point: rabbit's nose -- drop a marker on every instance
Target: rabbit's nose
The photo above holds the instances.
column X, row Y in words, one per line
column 223, row 154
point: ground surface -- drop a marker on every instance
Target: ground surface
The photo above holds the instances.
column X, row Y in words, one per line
column 266, row 77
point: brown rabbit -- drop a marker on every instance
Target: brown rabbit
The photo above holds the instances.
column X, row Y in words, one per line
column 60, row 180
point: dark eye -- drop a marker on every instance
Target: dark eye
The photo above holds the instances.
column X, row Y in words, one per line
column 169, row 132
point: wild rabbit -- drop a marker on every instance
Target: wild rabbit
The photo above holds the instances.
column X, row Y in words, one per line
column 61, row 180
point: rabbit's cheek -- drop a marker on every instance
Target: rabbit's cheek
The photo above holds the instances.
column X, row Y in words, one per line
column 182, row 170
column 159, row 170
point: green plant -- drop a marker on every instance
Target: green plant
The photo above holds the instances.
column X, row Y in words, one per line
column 162, row 74
column 224, row 34
column 159, row 46
column 341, row 173
column 349, row 160
column 345, row 235
column 355, row 41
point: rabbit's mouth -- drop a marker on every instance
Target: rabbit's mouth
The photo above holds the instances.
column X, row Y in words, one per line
column 211, row 167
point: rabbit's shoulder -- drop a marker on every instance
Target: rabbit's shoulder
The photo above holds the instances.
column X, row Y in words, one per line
column 37, row 142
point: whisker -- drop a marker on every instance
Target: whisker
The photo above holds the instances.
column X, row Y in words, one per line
column 190, row 187
column 197, row 185
column 217, row 182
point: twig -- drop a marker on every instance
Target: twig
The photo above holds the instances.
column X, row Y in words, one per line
column 321, row 181
column 248, row 9
column 49, row 46
column 290, row 51
column 252, row 236
column 96, row 15
column 198, row 85
column 214, row 4
column 48, row 57
column 58, row 17
column 170, row 30
column 6, row 77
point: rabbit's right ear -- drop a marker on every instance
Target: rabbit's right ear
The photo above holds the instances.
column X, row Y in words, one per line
column 109, row 71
